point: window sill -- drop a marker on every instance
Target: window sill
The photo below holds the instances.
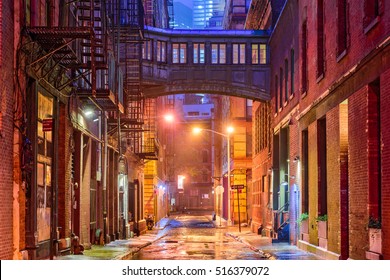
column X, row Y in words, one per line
column 341, row 55
column 291, row 96
column 371, row 25
column 303, row 94
column 320, row 77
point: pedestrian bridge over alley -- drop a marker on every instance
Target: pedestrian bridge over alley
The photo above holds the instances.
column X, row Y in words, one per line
column 227, row 62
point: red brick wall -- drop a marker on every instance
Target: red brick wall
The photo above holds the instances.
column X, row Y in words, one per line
column 294, row 182
column 385, row 124
column 85, row 191
column 359, row 43
column 313, row 182
column 261, row 162
column 64, row 173
column 6, row 130
column 333, row 178
column 358, row 174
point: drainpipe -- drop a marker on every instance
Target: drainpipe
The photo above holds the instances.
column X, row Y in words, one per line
column 104, row 173
column 54, row 198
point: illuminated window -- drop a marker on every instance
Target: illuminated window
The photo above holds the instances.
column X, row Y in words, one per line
column 259, row 53
column 238, row 53
column 147, row 50
column 218, row 53
column 199, row 53
column 179, row 53
column 161, row 51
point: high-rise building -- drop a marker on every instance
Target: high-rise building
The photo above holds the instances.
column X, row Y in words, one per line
column 204, row 10
column 181, row 17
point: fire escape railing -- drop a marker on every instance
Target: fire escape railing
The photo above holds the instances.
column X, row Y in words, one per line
column 78, row 52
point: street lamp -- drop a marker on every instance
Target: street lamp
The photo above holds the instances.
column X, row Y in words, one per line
column 229, row 130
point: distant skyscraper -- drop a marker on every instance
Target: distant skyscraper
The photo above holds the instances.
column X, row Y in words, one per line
column 182, row 16
column 204, row 10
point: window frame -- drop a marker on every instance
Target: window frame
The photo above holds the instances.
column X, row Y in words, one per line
column 161, row 51
column 181, row 49
column 219, row 59
column 147, row 50
column 197, row 49
column 260, row 53
column 238, row 49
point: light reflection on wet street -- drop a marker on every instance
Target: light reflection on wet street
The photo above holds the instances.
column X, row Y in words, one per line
column 189, row 237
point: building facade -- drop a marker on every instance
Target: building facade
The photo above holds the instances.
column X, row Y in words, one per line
column 328, row 88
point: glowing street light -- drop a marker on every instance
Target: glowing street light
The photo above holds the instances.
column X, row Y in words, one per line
column 169, row 118
column 229, row 131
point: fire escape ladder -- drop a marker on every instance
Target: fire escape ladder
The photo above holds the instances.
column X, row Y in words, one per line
column 77, row 55
column 150, row 144
column 130, row 40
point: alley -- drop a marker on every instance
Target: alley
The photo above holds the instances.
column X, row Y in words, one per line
column 194, row 237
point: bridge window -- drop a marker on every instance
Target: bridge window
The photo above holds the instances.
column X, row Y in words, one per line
column 161, row 51
column 179, row 53
column 198, row 53
column 238, row 53
column 147, row 50
column 259, row 53
column 218, row 53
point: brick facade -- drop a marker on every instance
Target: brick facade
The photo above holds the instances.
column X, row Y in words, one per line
column 8, row 194
column 339, row 96
column 385, row 132
column 344, row 96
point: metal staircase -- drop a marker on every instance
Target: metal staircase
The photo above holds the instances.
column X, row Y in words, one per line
column 79, row 51
column 281, row 224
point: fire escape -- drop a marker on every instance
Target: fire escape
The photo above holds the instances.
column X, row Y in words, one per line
column 128, row 24
column 77, row 56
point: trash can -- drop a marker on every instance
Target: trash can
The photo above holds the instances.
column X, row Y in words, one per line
column 259, row 230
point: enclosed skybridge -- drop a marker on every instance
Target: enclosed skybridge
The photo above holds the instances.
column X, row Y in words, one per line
column 226, row 62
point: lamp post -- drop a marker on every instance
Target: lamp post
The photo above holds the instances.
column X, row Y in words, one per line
column 227, row 136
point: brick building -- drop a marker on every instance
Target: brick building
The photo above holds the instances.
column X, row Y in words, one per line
column 329, row 84
column 8, row 191
column 69, row 165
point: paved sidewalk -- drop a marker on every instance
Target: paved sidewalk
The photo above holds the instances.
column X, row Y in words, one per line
column 125, row 249
column 264, row 245
column 121, row 249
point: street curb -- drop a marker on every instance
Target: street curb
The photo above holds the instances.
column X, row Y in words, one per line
column 253, row 248
column 129, row 254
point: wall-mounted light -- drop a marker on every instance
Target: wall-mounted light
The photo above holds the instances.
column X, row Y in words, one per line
column 88, row 112
column 296, row 159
